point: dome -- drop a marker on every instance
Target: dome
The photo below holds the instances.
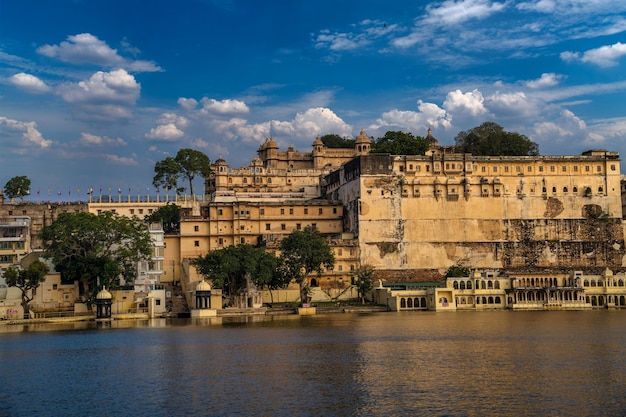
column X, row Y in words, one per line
column 203, row 286
column 318, row 142
column 104, row 294
column 431, row 139
column 220, row 161
column 362, row 138
column 270, row 144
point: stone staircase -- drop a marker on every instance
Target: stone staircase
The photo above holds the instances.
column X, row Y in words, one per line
column 178, row 300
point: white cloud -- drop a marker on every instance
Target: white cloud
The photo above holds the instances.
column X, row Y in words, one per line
column 470, row 102
column 165, row 132
column 188, row 103
column 117, row 86
column 223, row 107
column 172, row 118
column 89, row 139
column 104, row 96
column 85, row 48
column 118, row 160
column 28, row 130
column 29, row 83
column 605, row 56
column 547, row 80
column 451, row 12
column 514, row 105
column 416, row 122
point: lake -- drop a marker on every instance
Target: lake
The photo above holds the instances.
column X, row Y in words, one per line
column 492, row 363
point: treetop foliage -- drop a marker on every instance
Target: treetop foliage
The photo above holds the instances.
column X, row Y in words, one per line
column 336, row 141
column 458, row 271
column 17, row 187
column 96, row 249
column 186, row 165
column 490, row 139
column 168, row 215
column 400, row 143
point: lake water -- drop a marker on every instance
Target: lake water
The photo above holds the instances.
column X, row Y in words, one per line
column 500, row 363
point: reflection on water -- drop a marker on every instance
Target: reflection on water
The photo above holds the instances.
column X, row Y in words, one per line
column 426, row 363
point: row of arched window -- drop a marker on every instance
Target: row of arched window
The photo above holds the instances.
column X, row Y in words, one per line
column 478, row 300
column 413, row 302
column 600, row 282
column 479, row 284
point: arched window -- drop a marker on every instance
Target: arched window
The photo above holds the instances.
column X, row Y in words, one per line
column 490, row 300
column 402, row 303
column 462, row 285
column 483, row 285
column 490, row 284
column 586, row 283
column 496, row 284
column 409, row 303
column 469, row 285
column 455, row 285
column 565, row 189
column 497, row 300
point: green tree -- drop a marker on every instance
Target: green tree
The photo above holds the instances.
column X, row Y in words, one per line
column 168, row 215
column 26, row 280
column 303, row 252
column 457, row 271
column 17, row 187
column 400, row 143
column 336, row 141
column 490, row 139
column 230, row 267
column 365, row 280
column 96, row 250
column 186, row 165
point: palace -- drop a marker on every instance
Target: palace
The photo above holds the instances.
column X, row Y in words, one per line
column 409, row 217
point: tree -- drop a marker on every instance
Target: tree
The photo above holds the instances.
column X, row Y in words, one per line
column 26, row 280
column 365, row 281
column 303, row 252
column 400, row 143
column 336, row 141
column 96, row 250
column 17, row 187
column 490, row 139
column 187, row 164
column 168, row 215
column 457, row 271
column 230, row 268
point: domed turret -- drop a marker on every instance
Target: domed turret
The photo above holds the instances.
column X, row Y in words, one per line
column 362, row 144
column 203, row 286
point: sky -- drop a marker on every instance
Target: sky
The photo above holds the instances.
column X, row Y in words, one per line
column 93, row 93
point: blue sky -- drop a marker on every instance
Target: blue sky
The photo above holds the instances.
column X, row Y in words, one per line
column 93, row 93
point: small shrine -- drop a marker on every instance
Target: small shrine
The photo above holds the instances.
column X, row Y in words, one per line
column 104, row 299
column 208, row 300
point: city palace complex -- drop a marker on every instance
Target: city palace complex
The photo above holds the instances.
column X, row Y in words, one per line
column 536, row 232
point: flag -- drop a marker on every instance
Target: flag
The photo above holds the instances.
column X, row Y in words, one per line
column 37, row 191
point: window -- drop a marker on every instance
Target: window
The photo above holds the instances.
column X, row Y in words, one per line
column 283, row 226
column 401, row 168
column 196, row 228
column 314, row 225
column 150, row 211
column 242, row 240
column 220, row 241
column 298, row 226
column 55, row 287
column 132, row 211
column 282, row 211
column 306, row 211
column 506, row 169
column 530, row 169
column 587, row 169
column 495, row 169
column 575, row 168
column 219, row 212
column 411, row 167
column 242, row 227
column 340, row 267
column 339, row 252
column 291, row 210
column 552, row 168
column 321, row 210
column 599, row 168
column 518, row 169
column 564, row 168
column 267, row 226
column 483, row 169
column 196, row 243
column 262, row 211
column 334, row 210
column 245, row 180
column 612, row 167
column 540, row 169
column 140, row 211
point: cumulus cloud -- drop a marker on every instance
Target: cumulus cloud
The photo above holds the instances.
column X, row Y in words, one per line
column 187, row 103
column 548, row 79
column 223, row 107
column 604, row 56
column 118, row 160
column 85, row 48
column 512, row 105
column 428, row 115
column 471, row 102
column 28, row 83
column 104, row 96
column 165, row 132
column 89, row 139
column 28, row 130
